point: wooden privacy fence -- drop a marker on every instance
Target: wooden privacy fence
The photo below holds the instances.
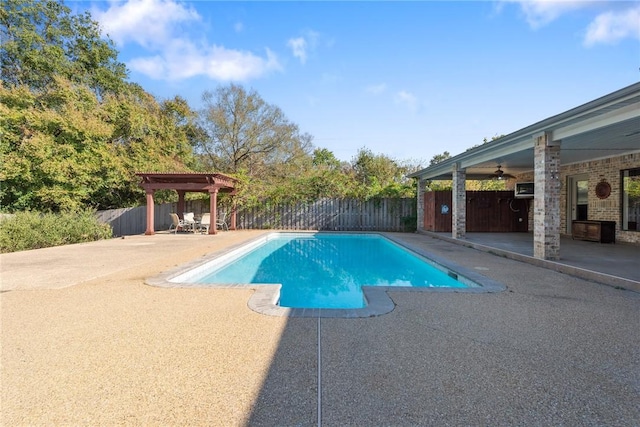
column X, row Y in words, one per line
column 389, row 214
column 334, row 214
column 131, row 221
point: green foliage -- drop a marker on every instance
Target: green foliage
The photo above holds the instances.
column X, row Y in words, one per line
column 631, row 185
column 486, row 185
column 42, row 40
column 409, row 223
column 439, row 158
column 32, row 230
column 470, row 185
column 74, row 131
column 64, row 149
column 322, row 176
column 439, row 185
column 326, row 159
column 380, row 176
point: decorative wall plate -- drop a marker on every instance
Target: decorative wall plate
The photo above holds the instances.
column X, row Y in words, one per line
column 603, row 190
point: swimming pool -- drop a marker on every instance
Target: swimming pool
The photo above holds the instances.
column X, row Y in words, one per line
column 323, row 270
column 265, row 298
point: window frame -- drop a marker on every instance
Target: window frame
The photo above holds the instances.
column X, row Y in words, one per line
column 624, row 200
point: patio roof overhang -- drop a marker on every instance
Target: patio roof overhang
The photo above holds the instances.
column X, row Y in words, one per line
column 608, row 126
column 182, row 182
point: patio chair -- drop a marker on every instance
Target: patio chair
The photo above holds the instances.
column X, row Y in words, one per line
column 205, row 222
column 189, row 220
column 176, row 223
column 221, row 221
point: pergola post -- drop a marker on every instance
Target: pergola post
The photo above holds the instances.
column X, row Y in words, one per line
column 180, row 204
column 213, row 209
column 150, row 213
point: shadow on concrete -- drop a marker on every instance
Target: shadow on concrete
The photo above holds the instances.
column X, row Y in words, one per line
column 551, row 350
column 541, row 356
column 289, row 395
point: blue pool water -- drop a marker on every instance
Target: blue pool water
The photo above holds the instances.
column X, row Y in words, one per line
column 327, row 270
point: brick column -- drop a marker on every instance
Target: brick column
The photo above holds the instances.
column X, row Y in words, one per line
column 420, row 208
column 459, row 203
column 546, row 201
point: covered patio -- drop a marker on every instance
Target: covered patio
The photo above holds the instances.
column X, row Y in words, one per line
column 576, row 165
column 212, row 183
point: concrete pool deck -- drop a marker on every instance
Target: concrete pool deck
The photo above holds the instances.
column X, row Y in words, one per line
column 85, row 342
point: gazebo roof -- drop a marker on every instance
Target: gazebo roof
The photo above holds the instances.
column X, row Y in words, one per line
column 187, row 181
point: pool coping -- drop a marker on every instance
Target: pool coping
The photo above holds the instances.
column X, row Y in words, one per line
column 265, row 297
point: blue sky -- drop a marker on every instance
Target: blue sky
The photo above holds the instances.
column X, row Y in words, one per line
column 405, row 79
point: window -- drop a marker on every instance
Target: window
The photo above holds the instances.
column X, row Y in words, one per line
column 582, row 200
column 631, row 199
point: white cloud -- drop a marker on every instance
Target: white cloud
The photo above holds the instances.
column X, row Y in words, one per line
column 146, row 22
column 617, row 23
column 376, row 89
column 611, row 27
column 183, row 60
column 539, row 13
column 159, row 26
column 152, row 66
column 299, row 48
column 407, row 99
column 302, row 46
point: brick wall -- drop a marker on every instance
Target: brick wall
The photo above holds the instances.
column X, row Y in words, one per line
column 608, row 209
column 422, row 187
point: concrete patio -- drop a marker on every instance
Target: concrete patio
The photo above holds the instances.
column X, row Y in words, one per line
column 86, row 342
column 608, row 263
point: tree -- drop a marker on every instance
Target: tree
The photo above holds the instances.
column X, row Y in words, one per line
column 64, row 149
column 325, row 158
column 42, row 40
column 254, row 141
column 74, row 130
column 246, row 133
column 52, row 151
column 380, row 176
column 322, row 177
column 439, row 158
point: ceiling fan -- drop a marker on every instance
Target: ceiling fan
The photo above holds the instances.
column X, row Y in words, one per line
column 500, row 175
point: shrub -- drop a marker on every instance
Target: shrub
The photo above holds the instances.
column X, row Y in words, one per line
column 33, row 230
